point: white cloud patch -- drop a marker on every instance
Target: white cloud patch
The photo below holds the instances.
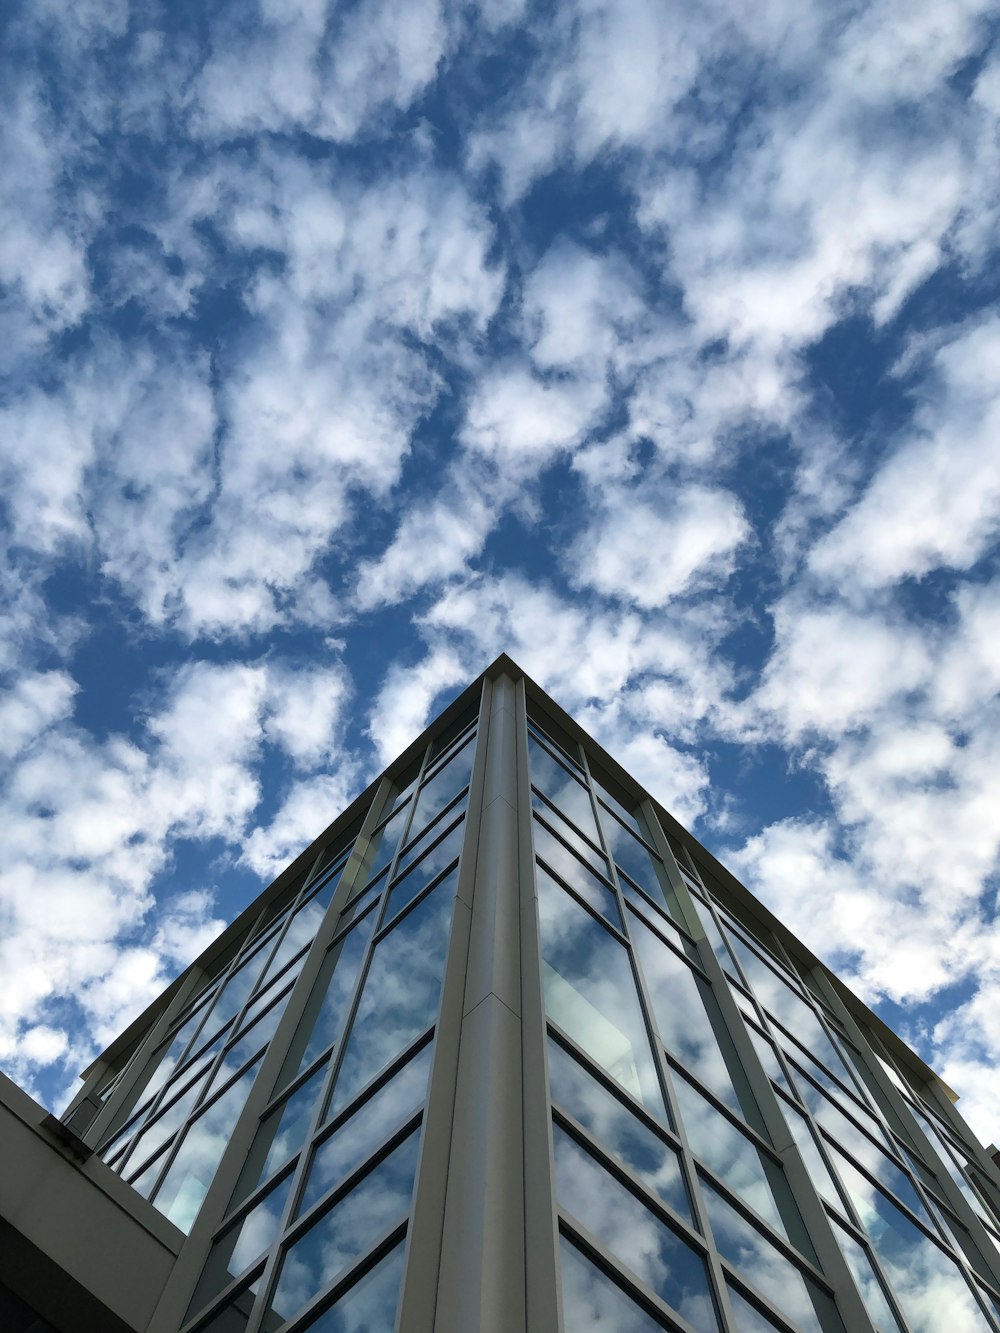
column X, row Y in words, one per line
column 650, row 554
column 935, row 502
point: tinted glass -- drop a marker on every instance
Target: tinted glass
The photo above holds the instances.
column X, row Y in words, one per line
column 401, row 992
column 282, row 1133
column 440, row 855
column 241, row 1243
column 594, row 891
column 370, row 1304
column 590, row 993
column 617, row 1130
column 592, row 1303
column 764, row 1266
column 866, row 1281
column 186, row 1183
column 443, row 787
column 631, row 1231
column 568, row 795
column 347, row 1230
column 678, row 998
column 327, row 1009
column 358, row 1137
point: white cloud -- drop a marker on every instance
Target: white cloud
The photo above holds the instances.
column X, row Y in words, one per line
column 936, row 500
column 834, row 669
column 311, row 805
column 649, row 555
column 306, row 711
column 34, row 705
column 402, row 707
column 523, row 422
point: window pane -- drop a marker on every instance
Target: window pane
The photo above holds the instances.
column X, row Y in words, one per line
column 594, row 892
column 631, row 856
column 568, row 795
column 632, row 1232
column 158, row 1131
column 590, row 993
column 592, row 1303
column 186, row 1183
column 730, row 1154
column 442, row 787
column 866, row 1281
column 327, row 1008
column 384, row 842
column 748, row 1318
column 281, row 1134
column 370, row 1304
column 367, row 1129
column 401, row 992
column 617, row 1130
column 819, row 1174
column 240, row 1244
column 441, row 854
column 568, row 834
column 347, row 1230
column 931, row 1291
column 764, row 1267
column 678, row 998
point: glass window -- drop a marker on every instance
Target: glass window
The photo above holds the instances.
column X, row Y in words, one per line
column 158, row 1131
column 347, row 1230
column 749, row 1319
column 369, row 1304
column 443, row 787
column 640, row 865
column 617, row 1129
column 592, row 1303
column 357, row 1137
column 186, row 1183
column 563, row 861
column 328, row 1005
column 866, row 1281
column 383, row 844
column 594, row 891
column 679, row 1000
column 927, row 1283
column 235, row 1314
column 236, row 991
column 281, row 1134
column 399, row 999
column 625, row 812
column 569, row 796
column 590, row 993
column 431, row 863
column 738, row 1162
column 301, row 931
column 764, row 1266
column 244, row 1241
column 251, row 1041
column 819, row 1173
column 632, row 1232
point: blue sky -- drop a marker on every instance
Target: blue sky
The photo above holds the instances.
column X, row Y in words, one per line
column 346, row 346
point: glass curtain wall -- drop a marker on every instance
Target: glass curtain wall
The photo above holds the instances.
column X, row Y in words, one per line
column 675, row 1209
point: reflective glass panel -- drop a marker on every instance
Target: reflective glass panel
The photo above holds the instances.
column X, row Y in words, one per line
column 568, row 834
column 930, row 1289
column 301, row 931
column 730, row 1154
column 632, row 1232
column 590, row 993
column 241, row 1243
column 347, row 1230
column 327, row 1008
column 358, row 1137
column 866, row 1281
column 400, row 997
column 568, row 795
column 678, row 998
column 592, row 1303
column 598, row 895
column 204, row 1141
column 254, row 1039
column 446, row 783
column 626, row 813
column 748, row 1318
column 158, row 1131
column 760, row 1262
column 234, row 1315
column 631, row 856
column 173, row 1054
column 236, row 991
column 281, row 1134
column 370, row 1304
column 819, row 1174
column 617, row 1130
column 385, row 840
column 440, row 855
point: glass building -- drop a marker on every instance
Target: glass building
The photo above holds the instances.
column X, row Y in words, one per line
column 507, row 1049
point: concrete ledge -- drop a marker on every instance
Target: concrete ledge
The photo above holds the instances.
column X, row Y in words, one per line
column 77, row 1244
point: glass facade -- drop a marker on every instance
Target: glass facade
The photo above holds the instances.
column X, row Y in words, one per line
column 688, row 1124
